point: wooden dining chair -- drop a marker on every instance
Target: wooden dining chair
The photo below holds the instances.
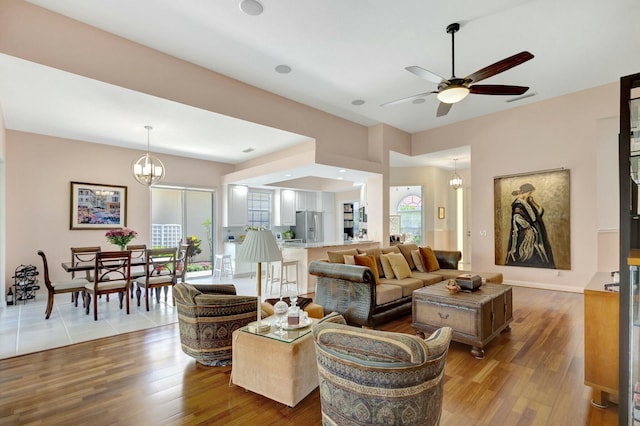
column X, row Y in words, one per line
column 183, row 260
column 83, row 256
column 161, row 267
column 74, row 286
column 138, row 252
column 112, row 274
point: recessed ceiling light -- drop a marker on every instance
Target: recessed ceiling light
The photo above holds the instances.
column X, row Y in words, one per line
column 357, row 102
column 251, row 7
column 287, row 175
column 283, row 69
column 248, row 150
column 342, row 171
column 340, row 178
column 418, row 101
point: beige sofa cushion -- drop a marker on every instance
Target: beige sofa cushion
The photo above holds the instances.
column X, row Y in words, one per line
column 430, row 278
column 399, row 265
column 386, row 293
column 406, row 284
column 338, row 256
column 349, row 259
column 406, row 249
column 390, row 249
column 417, row 259
column 386, row 266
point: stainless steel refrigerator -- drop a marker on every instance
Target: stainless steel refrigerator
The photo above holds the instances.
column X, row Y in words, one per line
column 309, row 227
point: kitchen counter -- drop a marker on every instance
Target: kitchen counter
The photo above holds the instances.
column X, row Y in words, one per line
column 336, row 244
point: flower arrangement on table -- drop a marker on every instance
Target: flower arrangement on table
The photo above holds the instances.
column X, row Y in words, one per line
column 121, row 236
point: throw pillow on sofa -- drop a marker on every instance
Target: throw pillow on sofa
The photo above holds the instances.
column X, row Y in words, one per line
column 349, row 260
column 406, row 250
column 399, row 265
column 429, row 259
column 375, row 252
column 386, row 266
column 417, row 259
column 370, row 262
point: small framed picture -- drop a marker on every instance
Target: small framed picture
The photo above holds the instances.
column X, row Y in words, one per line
column 440, row 212
column 98, row 206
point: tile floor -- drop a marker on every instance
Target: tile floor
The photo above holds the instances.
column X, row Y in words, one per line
column 23, row 328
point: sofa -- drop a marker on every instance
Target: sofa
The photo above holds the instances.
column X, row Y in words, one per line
column 368, row 294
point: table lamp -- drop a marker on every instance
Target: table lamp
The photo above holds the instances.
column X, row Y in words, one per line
column 259, row 246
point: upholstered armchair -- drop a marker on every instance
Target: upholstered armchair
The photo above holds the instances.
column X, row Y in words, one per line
column 371, row 377
column 208, row 314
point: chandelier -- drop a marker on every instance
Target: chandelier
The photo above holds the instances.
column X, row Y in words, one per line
column 148, row 169
column 456, row 180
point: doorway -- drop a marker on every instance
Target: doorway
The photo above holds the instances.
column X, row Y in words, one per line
column 406, row 213
column 185, row 215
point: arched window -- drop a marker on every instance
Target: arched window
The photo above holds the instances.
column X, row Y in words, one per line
column 410, row 211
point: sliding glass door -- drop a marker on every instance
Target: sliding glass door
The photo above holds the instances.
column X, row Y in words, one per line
column 180, row 214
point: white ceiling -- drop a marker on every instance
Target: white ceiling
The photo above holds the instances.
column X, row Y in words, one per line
column 339, row 51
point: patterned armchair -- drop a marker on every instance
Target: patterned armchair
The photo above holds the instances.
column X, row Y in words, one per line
column 371, row 377
column 208, row 314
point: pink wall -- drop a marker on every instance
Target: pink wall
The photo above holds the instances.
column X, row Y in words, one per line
column 39, row 171
column 561, row 132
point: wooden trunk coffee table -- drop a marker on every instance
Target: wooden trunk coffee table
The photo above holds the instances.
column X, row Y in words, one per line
column 475, row 317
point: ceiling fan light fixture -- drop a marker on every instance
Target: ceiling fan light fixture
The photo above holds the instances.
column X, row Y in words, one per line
column 452, row 95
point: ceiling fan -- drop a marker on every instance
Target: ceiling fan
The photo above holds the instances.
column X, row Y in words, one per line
column 455, row 89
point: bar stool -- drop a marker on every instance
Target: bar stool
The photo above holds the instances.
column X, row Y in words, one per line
column 283, row 278
column 223, row 266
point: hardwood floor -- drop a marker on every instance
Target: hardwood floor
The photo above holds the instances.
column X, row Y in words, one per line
column 531, row 375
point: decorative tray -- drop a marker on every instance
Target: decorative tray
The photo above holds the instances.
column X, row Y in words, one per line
column 302, row 324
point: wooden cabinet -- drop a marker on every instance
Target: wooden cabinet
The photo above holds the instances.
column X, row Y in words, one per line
column 601, row 320
column 237, row 205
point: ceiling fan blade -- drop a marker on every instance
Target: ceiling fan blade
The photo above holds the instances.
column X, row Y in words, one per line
column 499, row 67
column 443, row 109
column 424, row 74
column 497, row 89
column 407, row 99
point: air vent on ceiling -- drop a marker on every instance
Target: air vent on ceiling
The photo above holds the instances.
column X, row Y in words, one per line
column 248, row 150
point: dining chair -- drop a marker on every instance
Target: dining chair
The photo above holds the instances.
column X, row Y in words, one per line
column 112, row 274
column 161, row 271
column 183, row 260
column 138, row 252
column 83, row 256
column 74, row 286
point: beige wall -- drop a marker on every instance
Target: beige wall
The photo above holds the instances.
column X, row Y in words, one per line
column 35, row 34
column 39, row 171
column 561, row 132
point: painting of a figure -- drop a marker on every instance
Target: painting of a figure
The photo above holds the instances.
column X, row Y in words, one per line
column 532, row 220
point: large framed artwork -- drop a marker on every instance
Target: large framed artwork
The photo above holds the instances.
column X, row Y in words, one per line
column 98, row 206
column 533, row 220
